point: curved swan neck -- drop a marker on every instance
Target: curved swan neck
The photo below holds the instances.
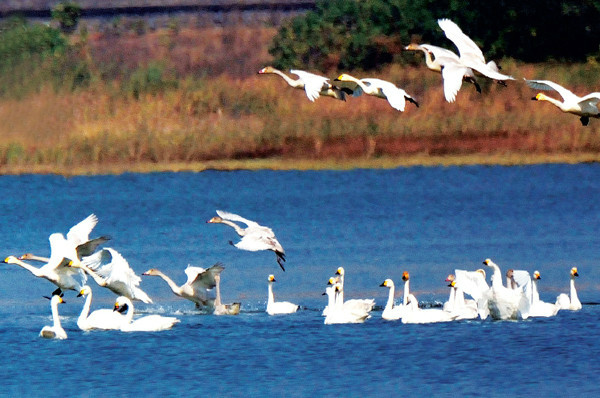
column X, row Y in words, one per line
column 130, row 310
column 35, row 271
column 240, row 231
column 176, row 289
column 431, row 64
column 289, row 80
column 86, row 308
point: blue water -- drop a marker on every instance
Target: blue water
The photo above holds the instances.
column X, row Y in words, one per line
column 375, row 223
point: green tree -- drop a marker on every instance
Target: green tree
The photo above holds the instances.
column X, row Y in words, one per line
column 67, row 14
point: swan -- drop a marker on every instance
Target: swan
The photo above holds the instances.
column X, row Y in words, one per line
column 55, row 331
column 457, row 304
column 473, row 283
column 148, row 323
column 586, row 106
column 105, row 319
column 281, row 307
column 57, row 269
column 504, row 303
column 110, row 270
column 337, row 313
column 414, row 314
column 391, row 312
column 396, row 97
column 255, row 237
column 470, row 54
column 220, row 308
column 359, row 305
column 199, row 280
column 570, row 303
column 313, row 85
column 448, row 64
column 538, row 307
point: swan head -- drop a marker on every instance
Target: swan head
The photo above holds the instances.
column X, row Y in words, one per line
column 120, row 305
column 412, row 47
column 26, row 256
column 387, row 283
column 84, row 291
column 450, row 278
column 539, row 97
column 536, row 275
column 574, row 271
column 11, row 260
column 340, row 271
column 272, row 278
column 405, row 276
column 266, row 69
column 452, row 284
column 344, row 78
column 488, row 262
column 215, row 219
column 510, row 273
column 332, row 281
column 57, row 299
column 151, row 271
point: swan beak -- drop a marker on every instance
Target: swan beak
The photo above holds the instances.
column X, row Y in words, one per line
column 575, row 273
column 260, row 72
column 116, row 307
column 80, row 294
column 383, row 284
column 324, row 294
column 452, row 284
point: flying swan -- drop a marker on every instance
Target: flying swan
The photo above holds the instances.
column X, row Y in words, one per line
column 396, row 96
column 255, row 237
column 313, row 85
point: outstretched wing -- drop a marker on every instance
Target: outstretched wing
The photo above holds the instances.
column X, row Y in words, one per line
column 465, row 45
column 206, row 279
column 472, row 283
column 452, row 74
column 313, row 84
column 80, row 233
column 234, row 217
column 549, row 85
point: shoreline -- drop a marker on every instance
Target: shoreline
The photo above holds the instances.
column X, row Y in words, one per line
column 290, row 164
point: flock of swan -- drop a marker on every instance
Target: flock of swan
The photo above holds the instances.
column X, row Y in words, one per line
column 75, row 257
column 454, row 68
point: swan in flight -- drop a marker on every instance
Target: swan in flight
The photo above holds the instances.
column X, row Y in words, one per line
column 448, row 64
column 414, row 314
column 55, row 331
column 199, row 280
column 586, row 106
column 105, row 319
column 391, row 312
column 540, row 308
column 281, row 307
column 505, row 303
column 470, row 54
column 220, row 308
column 255, row 237
column 313, row 85
column 110, row 270
column 148, row 323
column 338, row 313
column 570, row 303
column 396, row 96
column 57, row 270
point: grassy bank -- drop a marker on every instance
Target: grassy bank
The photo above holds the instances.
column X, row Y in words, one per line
column 185, row 115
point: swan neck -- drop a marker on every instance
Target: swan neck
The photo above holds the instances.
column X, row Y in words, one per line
column 55, row 317
column 97, row 278
column 452, row 298
column 289, row 80
column 390, row 301
column 406, row 292
column 176, row 289
column 35, row 271
column 130, row 310
column 535, row 296
column 271, row 298
column 217, row 291
column 573, row 291
column 496, row 277
column 240, row 231
column 86, row 308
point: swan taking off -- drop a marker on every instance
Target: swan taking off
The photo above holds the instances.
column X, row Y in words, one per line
column 104, row 319
column 149, row 323
column 448, row 64
column 585, row 107
column 255, row 237
column 281, row 307
column 55, row 331
column 379, row 88
column 570, row 303
column 470, row 54
column 110, row 270
column 313, row 85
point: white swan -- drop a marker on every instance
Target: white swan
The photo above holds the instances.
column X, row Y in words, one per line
column 473, row 283
column 457, row 304
column 396, row 96
column 414, row 314
column 538, row 307
column 391, row 312
column 313, row 85
column 220, row 308
column 255, row 237
column 110, row 270
column 448, row 64
column 358, row 305
column 586, row 106
column 55, row 331
column 149, row 323
column 105, row 319
column 570, row 303
column 199, row 280
column 337, row 313
column 281, row 307
column 470, row 54
column 56, row 270
column 504, row 303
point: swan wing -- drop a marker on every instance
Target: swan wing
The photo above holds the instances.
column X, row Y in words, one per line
column 463, row 42
column 313, row 84
column 567, row 95
column 486, row 70
column 80, row 233
column 472, row 283
column 60, row 252
column 590, row 99
column 452, row 74
column 206, row 279
column 395, row 96
column 234, row 217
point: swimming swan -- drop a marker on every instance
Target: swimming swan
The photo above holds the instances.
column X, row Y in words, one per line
column 448, row 64
column 457, row 304
column 110, row 270
column 414, row 314
column 281, row 307
column 504, row 303
column 255, row 237
column 337, row 313
column 391, row 312
column 199, row 280
column 220, row 308
column 585, row 107
column 381, row 89
column 570, row 303
column 470, row 54
column 473, row 283
column 313, row 85
column 358, row 305
column 55, row 331
column 105, row 319
column 538, row 307
column 149, row 323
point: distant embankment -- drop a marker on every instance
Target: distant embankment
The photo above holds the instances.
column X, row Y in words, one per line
column 108, row 9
